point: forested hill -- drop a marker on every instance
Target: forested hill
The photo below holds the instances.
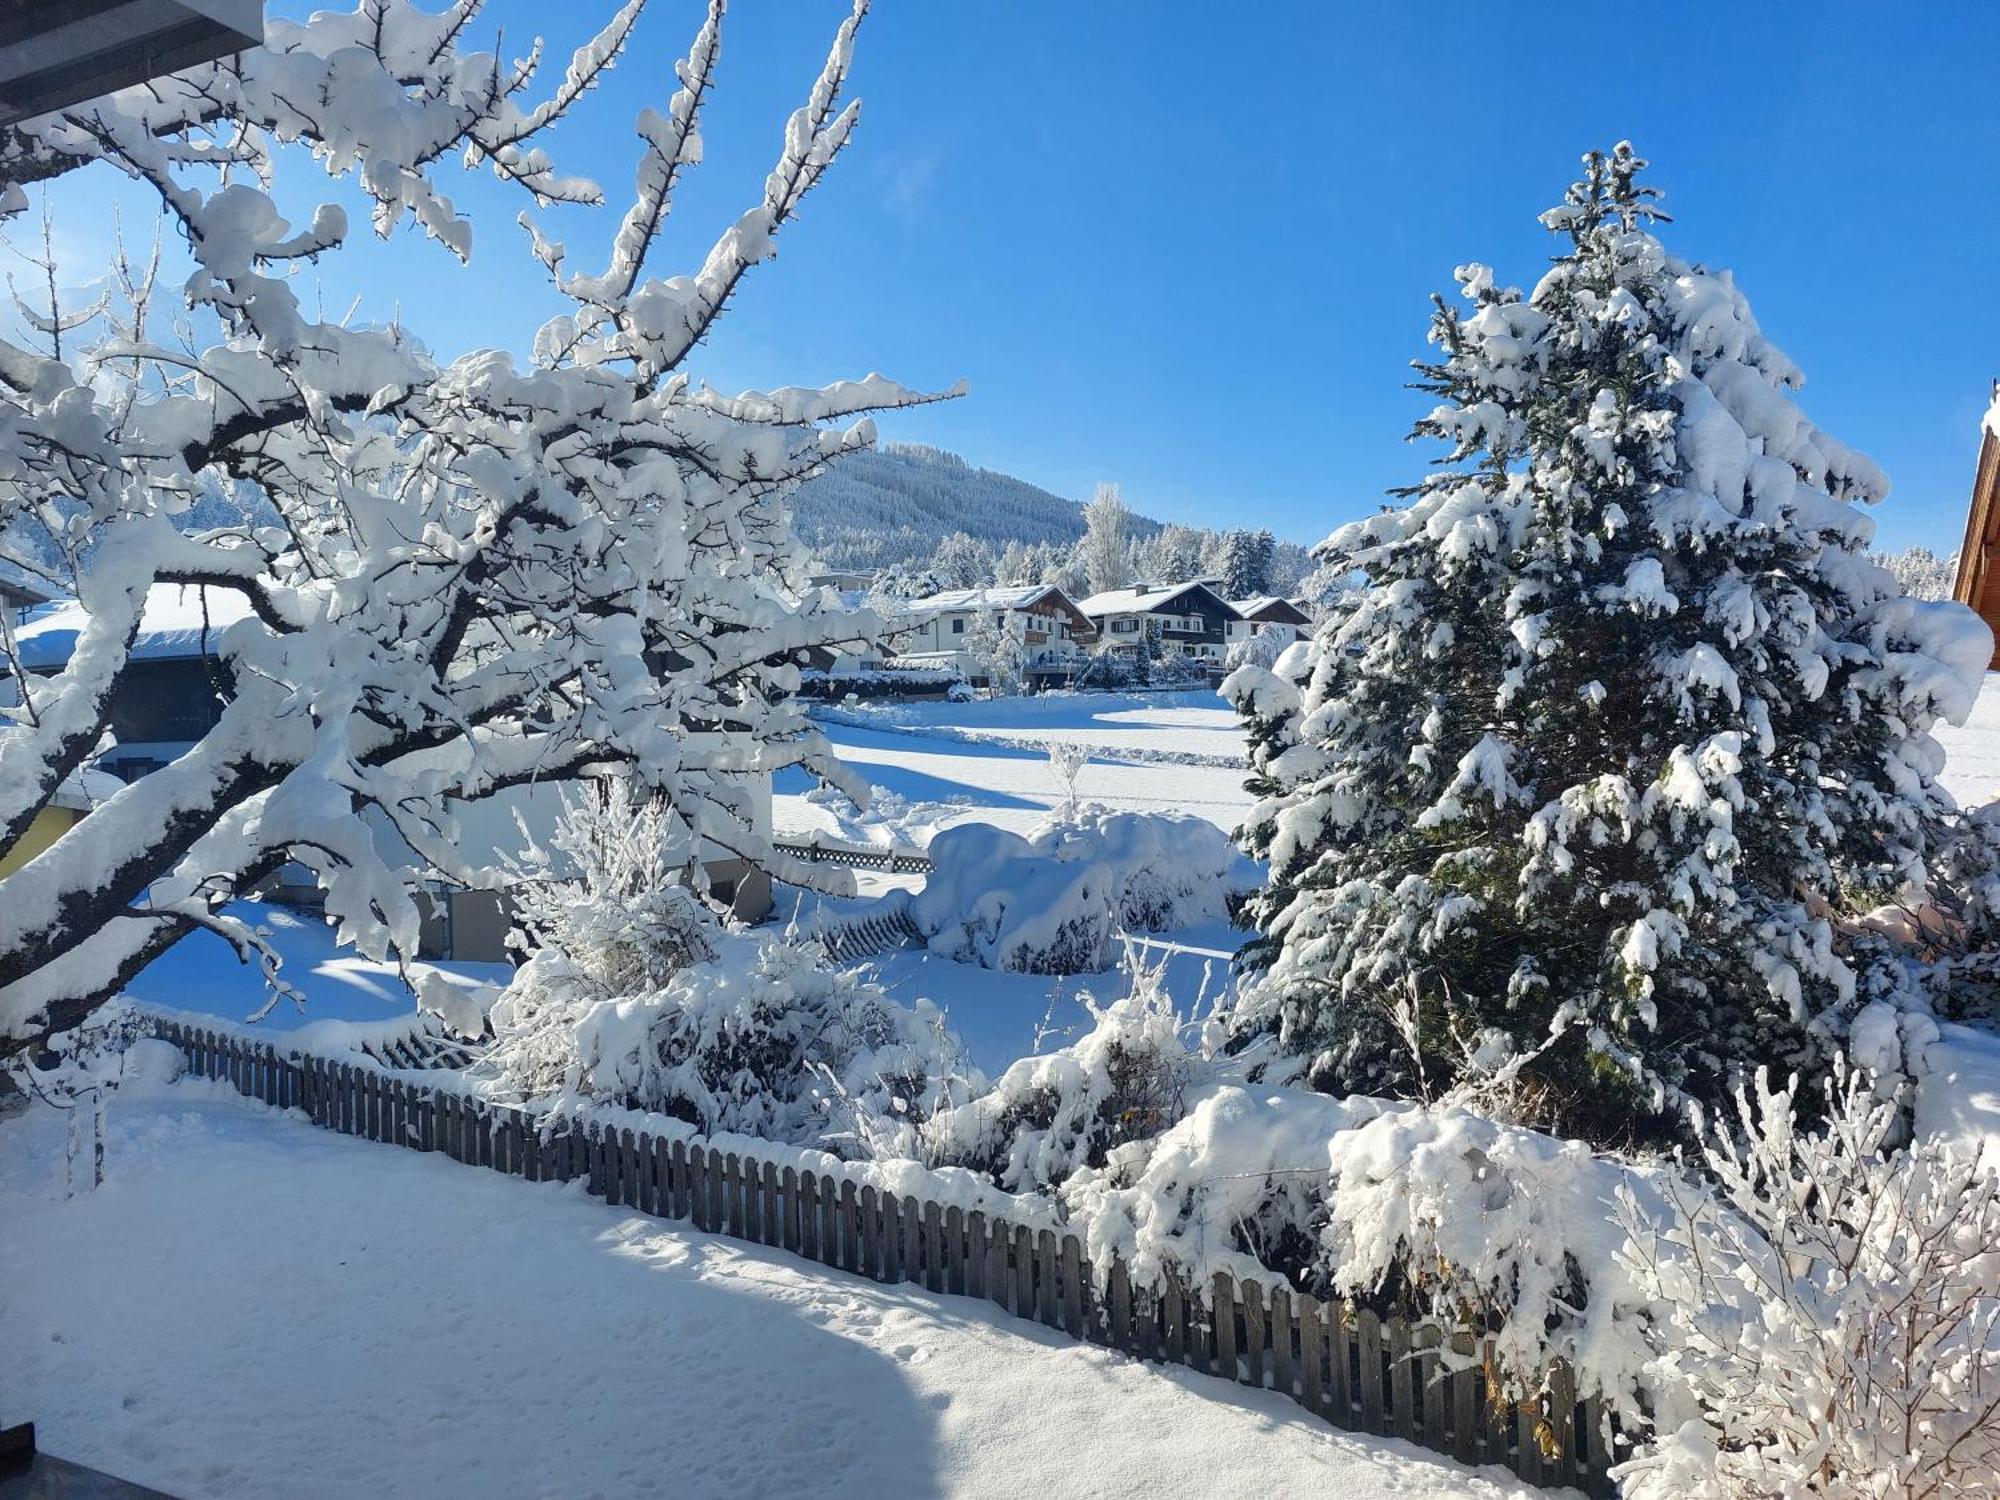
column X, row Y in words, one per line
column 895, row 504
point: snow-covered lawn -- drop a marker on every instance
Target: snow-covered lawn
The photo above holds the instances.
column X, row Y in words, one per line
column 1972, row 749
column 201, row 973
column 251, row 1306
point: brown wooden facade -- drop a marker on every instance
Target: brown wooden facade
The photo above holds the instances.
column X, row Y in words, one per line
column 1978, row 580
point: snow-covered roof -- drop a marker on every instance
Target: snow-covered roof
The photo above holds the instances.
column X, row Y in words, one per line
column 18, row 584
column 172, row 625
column 1008, row 596
column 1140, row 598
column 1253, row 607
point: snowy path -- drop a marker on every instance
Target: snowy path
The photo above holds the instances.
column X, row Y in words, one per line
column 251, row 1306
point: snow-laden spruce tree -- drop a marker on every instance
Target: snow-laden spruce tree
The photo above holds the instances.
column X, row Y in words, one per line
column 482, row 571
column 1619, row 725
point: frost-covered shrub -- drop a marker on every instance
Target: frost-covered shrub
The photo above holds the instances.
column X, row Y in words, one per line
column 1051, row 902
column 1829, row 1311
column 1262, row 648
column 762, row 1039
column 609, row 893
column 1067, row 758
column 1050, row 1117
column 74, row 1070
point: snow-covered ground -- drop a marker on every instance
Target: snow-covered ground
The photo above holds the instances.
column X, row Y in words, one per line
column 201, row 973
column 1178, row 752
column 1972, row 749
column 1001, row 1017
column 250, row 1306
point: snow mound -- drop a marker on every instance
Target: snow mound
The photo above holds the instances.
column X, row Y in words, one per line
column 1051, row 901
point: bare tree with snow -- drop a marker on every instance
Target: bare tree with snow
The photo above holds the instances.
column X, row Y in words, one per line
column 1106, row 552
column 483, row 572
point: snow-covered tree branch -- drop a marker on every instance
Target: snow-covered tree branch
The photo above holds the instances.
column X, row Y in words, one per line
column 482, row 573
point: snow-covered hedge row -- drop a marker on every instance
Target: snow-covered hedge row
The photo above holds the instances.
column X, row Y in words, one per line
column 1177, row 1164
column 876, row 682
column 1051, row 902
column 1052, row 1116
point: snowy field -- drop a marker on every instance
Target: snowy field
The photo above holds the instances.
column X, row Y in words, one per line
column 251, row 1306
column 950, row 762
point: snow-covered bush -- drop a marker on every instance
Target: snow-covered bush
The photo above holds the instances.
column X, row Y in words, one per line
column 1829, row 1311
column 991, row 898
column 1619, row 726
column 1050, row 1117
column 611, row 893
column 1413, row 1209
column 762, row 1039
column 1052, row 901
column 1168, row 870
column 454, row 575
column 1111, row 666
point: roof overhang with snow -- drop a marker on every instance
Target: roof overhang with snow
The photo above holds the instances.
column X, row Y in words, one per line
column 18, row 590
column 55, row 53
column 178, row 622
column 1270, row 609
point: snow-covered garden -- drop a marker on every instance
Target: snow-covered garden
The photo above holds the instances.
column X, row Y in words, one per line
column 1575, row 965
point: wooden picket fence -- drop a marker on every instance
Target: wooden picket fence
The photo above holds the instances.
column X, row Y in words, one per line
column 848, row 940
column 1338, row 1360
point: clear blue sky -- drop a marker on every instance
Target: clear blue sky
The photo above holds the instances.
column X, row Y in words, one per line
column 1188, row 248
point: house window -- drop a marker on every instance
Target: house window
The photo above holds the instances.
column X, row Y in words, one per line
column 1125, row 627
column 958, row 627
